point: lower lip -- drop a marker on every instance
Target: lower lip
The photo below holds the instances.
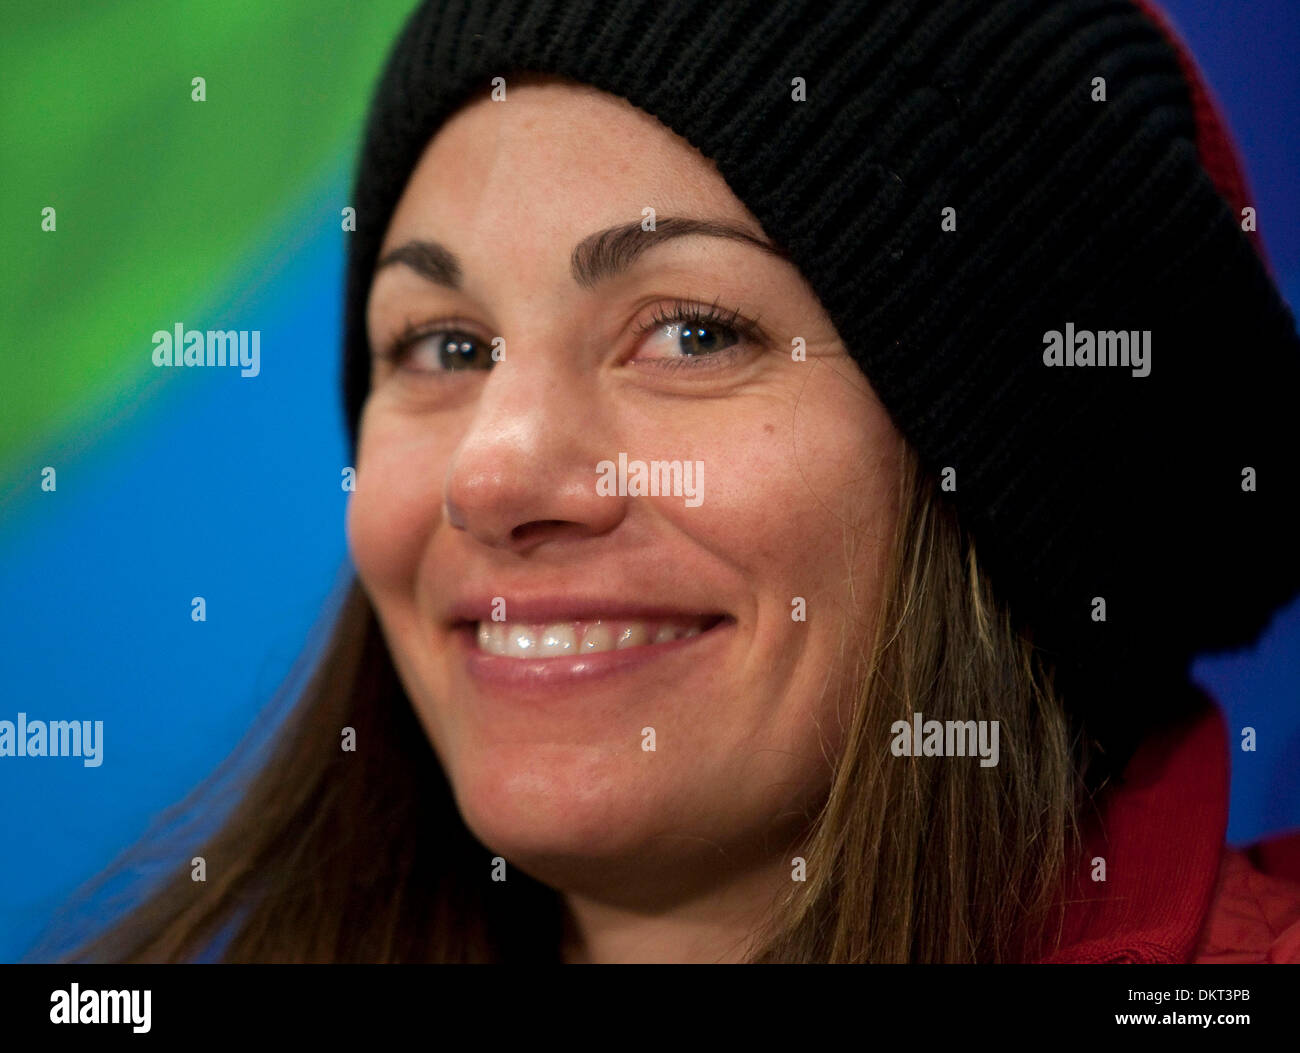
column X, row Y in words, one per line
column 533, row 675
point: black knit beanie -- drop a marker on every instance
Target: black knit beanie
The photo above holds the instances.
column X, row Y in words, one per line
column 1091, row 194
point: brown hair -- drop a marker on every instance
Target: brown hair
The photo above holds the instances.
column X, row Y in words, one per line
column 333, row 856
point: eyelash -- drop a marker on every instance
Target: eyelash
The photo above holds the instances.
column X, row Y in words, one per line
column 681, row 312
column 399, row 348
column 695, row 315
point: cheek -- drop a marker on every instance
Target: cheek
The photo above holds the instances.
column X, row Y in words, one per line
column 843, row 478
column 780, row 503
column 396, row 506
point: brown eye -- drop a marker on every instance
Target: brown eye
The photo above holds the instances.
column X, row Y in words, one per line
column 443, row 351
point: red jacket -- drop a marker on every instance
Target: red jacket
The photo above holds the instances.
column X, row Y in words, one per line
column 1174, row 892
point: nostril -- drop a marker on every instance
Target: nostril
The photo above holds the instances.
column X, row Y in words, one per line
column 539, row 529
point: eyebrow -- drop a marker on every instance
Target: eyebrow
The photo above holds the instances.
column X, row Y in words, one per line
column 597, row 258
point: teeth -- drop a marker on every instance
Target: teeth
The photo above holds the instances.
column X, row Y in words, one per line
column 561, row 639
column 598, row 637
column 492, row 637
column 521, row 641
column 557, row 639
column 635, row 635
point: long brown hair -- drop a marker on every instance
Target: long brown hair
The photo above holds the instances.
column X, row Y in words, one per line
column 332, row 855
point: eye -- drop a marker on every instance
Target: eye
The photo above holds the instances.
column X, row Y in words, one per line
column 685, row 334
column 439, row 349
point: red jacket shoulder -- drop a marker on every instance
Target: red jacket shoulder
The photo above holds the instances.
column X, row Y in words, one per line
column 1254, row 916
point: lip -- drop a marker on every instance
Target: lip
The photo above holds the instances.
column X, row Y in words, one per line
column 564, row 673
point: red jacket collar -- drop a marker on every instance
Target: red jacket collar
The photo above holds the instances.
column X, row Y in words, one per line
column 1161, row 835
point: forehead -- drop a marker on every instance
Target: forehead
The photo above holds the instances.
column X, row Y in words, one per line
column 555, row 157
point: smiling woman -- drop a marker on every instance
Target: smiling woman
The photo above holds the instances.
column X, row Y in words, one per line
column 620, row 342
column 894, row 687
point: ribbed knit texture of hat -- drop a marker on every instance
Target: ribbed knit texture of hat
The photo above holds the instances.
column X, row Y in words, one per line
column 1076, row 482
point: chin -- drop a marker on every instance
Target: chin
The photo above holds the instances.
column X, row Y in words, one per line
column 548, row 804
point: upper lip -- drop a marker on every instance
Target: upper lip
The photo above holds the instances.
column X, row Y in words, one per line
column 556, row 608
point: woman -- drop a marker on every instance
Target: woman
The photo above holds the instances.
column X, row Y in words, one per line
column 799, row 450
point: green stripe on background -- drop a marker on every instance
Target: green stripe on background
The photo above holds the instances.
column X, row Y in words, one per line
column 161, row 200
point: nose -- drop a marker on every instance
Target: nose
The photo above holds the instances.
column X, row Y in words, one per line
column 524, row 472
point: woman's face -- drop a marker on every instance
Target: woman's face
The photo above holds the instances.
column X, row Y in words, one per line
column 710, row 620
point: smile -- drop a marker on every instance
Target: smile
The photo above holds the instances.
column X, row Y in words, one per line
column 547, row 652
column 568, row 639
